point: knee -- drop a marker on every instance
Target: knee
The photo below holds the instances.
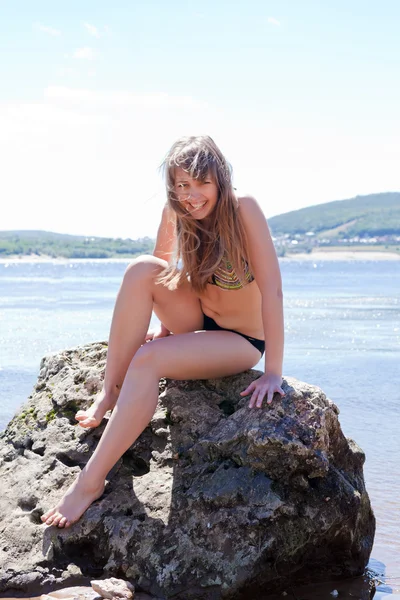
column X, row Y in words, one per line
column 145, row 267
column 145, row 357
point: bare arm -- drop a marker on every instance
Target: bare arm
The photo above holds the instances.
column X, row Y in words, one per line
column 267, row 274
column 268, row 277
column 166, row 236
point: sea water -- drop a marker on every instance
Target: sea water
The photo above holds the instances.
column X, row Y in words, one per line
column 342, row 330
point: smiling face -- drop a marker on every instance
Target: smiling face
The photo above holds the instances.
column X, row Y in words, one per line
column 197, row 196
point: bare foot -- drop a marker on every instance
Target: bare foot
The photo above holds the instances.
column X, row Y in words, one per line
column 93, row 416
column 75, row 501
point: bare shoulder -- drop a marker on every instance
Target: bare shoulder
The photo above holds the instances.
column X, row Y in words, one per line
column 249, row 207
column 247, row 201
column 261, row 249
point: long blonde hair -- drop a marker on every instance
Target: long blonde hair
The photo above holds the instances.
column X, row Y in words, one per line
column 202, row 246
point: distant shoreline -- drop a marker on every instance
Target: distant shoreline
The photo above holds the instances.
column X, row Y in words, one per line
column 321, row 255
column 59, row 259
column 346, row 255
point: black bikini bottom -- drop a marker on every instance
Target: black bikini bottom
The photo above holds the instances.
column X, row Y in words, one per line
column 211, row 325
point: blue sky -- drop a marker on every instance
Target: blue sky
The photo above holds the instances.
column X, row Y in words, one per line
column 302, row 97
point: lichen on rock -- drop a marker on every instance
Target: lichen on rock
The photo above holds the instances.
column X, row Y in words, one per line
column 213, row 500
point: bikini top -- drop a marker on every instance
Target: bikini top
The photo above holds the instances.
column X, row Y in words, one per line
column 226, row 278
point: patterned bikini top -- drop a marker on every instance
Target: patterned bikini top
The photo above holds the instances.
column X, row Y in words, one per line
column 226, row 278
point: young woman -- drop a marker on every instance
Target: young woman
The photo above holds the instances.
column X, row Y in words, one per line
column 220, row 306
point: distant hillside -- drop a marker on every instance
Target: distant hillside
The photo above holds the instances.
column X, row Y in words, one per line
column 30, row 234
column 363, row 216
column 39, row 243
column 373, row 219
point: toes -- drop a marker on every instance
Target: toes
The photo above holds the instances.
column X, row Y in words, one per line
column 47, row 515
column 50, row 520
column 80, row 415
column 62, row 522
column 89, row 422
column 57, row 519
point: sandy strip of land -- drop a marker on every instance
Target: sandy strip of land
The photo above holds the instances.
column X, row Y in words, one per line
column 347, row 255
column 60, row 259
column 343, row 255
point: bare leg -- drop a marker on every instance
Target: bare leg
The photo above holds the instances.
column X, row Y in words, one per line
column 188, row 356
column 130, row 322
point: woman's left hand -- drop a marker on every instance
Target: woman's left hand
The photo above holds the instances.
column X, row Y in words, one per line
column 264, row 385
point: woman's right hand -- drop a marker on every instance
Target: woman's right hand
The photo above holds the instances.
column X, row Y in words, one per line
column 157, row 332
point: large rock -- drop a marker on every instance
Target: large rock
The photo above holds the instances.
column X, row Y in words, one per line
column 214, row 500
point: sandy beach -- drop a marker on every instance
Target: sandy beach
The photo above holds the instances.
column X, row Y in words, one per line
column 343, row 255
column 60, row 259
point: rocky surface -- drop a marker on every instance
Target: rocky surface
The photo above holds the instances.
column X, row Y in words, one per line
column 212, row 501
column 113, row 588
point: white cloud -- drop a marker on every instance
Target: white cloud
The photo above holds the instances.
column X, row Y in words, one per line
column 92, row 30
column 85, row 162
column 49, row 30
column 273, row 21
column 85, row 53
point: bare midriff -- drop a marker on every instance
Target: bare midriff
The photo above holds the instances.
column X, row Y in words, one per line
column 239, row 310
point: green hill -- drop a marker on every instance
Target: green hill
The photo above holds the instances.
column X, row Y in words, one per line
column 363, row 216
column 23, row 243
